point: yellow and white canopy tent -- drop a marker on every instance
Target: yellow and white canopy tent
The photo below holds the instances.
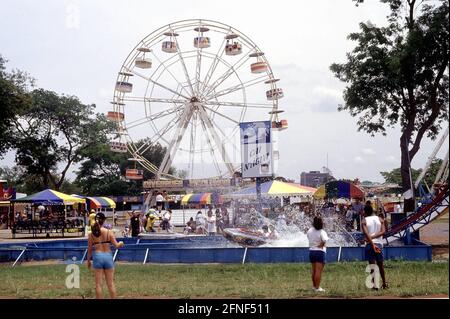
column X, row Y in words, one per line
column 275, row 188
column 51, row 197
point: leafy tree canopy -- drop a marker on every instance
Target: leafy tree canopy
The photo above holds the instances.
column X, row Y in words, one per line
column 397, row 75
column 51, row 134
column 14, row 99
column 103, row 171
column 394, row 176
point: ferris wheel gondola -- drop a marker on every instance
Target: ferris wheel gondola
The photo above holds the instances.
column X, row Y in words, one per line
column 142, row 61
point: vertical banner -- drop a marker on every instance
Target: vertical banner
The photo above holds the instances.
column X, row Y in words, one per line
column 256, row 149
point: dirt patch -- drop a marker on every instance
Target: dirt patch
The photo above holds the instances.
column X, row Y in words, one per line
column 436, row 233
column 41, row 262
column 440, row 253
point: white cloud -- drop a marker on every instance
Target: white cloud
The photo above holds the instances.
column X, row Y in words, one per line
column 358, row 160
column 391, row 159
column 104, row 92
column 368, row 151
column 325, row 91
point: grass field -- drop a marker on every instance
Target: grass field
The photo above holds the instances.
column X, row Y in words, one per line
column 346, row 280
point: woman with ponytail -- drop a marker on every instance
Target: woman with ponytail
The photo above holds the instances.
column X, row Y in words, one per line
column 101, row 238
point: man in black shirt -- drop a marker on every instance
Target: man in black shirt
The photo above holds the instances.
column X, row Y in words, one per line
column 135, row 224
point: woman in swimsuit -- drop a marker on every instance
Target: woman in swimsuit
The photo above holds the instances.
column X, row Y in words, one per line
column 101, row 238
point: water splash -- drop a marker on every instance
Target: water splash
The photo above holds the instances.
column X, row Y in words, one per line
column 291, row 225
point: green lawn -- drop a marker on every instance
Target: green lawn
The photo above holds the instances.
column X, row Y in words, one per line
column 227, row 281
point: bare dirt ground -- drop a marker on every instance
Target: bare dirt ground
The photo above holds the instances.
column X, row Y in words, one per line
column 436, row 234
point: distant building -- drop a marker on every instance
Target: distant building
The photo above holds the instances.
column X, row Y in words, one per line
column 315, row 178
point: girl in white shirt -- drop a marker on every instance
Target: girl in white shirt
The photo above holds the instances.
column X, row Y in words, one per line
column 317, row 238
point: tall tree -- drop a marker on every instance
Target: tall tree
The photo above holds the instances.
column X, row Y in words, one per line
column 51, row 134
column 14, row 99
column 398, row 75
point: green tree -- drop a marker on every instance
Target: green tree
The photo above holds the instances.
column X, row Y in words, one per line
column 398, row 75
column 11, row 175
column 103, row 171
column 70, row 187
column 14, row 99
column 395, row 176
column 51, row 134
column 19, row 178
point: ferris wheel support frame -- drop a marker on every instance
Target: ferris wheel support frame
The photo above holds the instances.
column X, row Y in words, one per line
column 176, row 140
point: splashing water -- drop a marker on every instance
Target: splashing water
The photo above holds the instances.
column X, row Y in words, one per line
column 291, row 225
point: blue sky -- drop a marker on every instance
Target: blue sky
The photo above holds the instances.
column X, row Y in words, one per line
column 77, row 47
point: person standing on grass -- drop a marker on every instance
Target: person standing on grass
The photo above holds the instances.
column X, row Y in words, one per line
column 101, row 238
column 373, row 228
column 317, row 238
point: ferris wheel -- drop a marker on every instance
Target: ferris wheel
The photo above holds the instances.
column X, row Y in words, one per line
column 187, row 86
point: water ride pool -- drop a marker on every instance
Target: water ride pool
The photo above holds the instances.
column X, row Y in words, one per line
column 197, row 249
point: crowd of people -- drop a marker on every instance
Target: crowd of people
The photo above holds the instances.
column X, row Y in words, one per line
column 212, row 223
column 351, row 214
column 41, row 219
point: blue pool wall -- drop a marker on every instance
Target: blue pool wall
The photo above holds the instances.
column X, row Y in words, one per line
column 200, row 250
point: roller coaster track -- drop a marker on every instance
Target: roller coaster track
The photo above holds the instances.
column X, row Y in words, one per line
column 423, row 216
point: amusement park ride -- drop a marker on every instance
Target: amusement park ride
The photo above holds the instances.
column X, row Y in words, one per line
column 188, row 86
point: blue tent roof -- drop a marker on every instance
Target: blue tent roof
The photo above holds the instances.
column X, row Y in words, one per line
column 252, row 190
column 50, row 197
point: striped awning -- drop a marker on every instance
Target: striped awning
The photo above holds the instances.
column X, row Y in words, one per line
column 203, row 199
column 338, row 189
column 276, row 188
column 98, row 202
column 101, row 202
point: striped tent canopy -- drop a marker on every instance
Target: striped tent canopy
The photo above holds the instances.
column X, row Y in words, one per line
column 98, row 202
column 203, row 199
column 50, row 197
column 338, row 189
column 276, row 188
